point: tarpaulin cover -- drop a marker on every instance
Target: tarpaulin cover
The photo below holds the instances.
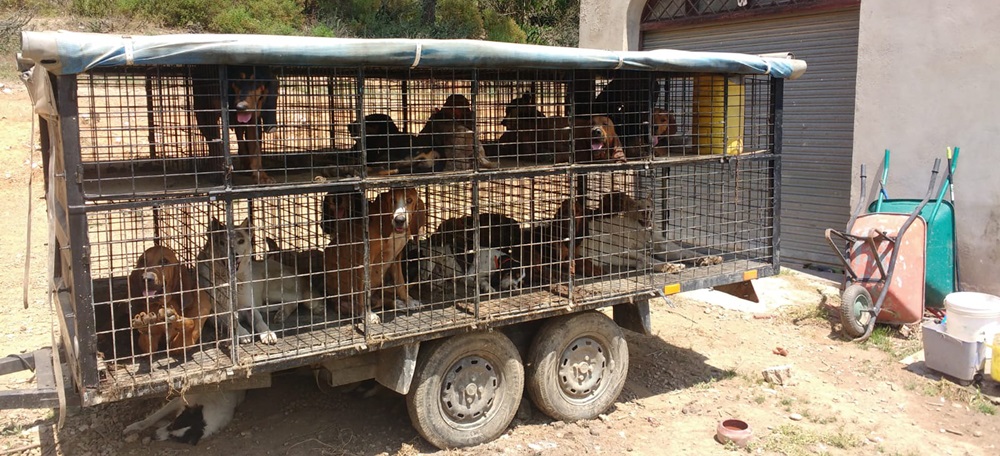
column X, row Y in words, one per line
column 71, row 52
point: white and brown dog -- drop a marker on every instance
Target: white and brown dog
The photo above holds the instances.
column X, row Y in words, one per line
column 622, row 234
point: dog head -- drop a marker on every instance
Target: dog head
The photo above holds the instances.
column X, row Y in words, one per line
column 400, row 211
column 620, row 203
column 218, row 239
column 507, row 273
column 156, row 273
column 664, row 125
column 377, row 124
column 604, row 142
column 341, row 206
column 253, row 96
column 457, row 107
column 521, row 112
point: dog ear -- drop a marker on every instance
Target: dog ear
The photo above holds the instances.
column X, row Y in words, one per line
column 419, row 216
column 171, row 272
column 269, row 112
column 214, row 225
column 380, row 211
column 245, row 224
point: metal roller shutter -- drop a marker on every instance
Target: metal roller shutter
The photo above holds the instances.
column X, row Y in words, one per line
column 818, row 118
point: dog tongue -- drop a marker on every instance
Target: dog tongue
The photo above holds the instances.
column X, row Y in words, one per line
column 243, row 117
column 596, row 145
column 149, row 293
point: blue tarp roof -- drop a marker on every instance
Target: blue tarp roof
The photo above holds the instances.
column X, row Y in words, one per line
column 71, row 52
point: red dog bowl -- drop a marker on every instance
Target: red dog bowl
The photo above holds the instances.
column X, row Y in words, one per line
column 733, row 430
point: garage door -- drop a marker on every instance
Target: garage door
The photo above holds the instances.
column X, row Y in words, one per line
column 818, row 116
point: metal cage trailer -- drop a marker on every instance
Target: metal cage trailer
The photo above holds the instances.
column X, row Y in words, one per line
column 445, row 217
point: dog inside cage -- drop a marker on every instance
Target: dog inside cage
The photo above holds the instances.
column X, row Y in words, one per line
column 363, row 218
column 166, row 130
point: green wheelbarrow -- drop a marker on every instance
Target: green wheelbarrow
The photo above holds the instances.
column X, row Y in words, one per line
column 941, row 253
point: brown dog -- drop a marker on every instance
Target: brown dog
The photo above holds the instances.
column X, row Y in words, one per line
column 664, row 137
column 549, row 245
column 593, row 137
column 253, row 98
column 166, row 302
column 393, row 218
column 449, row 135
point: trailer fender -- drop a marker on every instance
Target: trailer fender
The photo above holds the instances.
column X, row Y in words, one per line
column 395, row 367
column 634, row 316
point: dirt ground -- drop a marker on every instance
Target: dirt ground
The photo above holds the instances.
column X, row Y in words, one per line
column 702, row 364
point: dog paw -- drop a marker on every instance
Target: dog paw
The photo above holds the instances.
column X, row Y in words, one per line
column 168, row 315
column 263, row 178
column 140, row 320
column 143, row 320
column 408, row 304
column 134, row 427
column 709, row 260
column 246, row 339
column 669, row 268
column 372, row 319
column 269, row 337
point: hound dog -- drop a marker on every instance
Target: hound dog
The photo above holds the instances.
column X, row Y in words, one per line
column 384, row 143
column 665, row 136
column 394, row 217
column 340, row 206
column 257, row 283
column 193, row 417
column 449, row 136
column 622, row 234
column 586, row 138
column 452, row 251
column 167, row 305
column 553, row 243
column 252, row 97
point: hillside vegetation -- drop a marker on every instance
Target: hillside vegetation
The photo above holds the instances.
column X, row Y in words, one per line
column 553, row 22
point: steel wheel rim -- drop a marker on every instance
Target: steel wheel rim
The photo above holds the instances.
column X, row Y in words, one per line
column 582, row 368
column 469, row 390
column 861, row 308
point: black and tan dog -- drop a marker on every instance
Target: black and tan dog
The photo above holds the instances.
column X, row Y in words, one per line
column 555, row 139
column 252, row 97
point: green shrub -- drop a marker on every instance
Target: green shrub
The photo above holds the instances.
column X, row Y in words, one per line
column 459, row 19
column 502, row 28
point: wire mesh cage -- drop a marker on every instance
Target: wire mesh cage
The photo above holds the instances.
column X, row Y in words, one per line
column 263, row 217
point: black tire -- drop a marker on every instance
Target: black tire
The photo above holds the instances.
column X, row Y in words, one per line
column 589, row 345
column 483, row 369
column 855, row 311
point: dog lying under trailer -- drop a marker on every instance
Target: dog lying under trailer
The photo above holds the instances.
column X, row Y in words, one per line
column 448, row 226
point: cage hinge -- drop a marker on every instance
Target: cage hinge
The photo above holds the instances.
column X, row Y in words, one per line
column 79, row 174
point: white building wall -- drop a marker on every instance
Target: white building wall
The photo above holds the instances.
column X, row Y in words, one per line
column 929, row 78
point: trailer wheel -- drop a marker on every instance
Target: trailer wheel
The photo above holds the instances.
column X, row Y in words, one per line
column 577, row 366
column 466, row 389
column 855, row 311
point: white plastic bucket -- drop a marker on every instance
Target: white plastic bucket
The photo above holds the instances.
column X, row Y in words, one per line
column 972, row 317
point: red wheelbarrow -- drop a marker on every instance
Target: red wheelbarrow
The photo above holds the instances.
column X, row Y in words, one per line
column 884, row 255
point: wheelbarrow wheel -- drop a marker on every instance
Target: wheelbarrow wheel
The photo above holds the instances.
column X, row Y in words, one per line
column 856, row 311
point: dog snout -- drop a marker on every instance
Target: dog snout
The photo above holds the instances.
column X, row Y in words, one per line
column 399, row 221
column 597, row 132
column 242, row 106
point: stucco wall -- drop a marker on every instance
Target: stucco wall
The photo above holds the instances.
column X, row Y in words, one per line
column 610, row 24
column 929, row 78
